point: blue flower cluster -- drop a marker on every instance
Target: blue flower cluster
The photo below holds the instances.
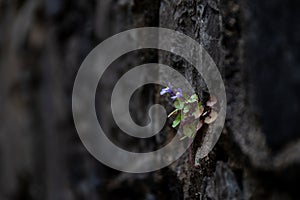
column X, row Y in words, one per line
column 176, row 94
column 189, row 111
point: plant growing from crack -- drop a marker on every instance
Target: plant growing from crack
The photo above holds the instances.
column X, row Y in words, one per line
column 189, row 111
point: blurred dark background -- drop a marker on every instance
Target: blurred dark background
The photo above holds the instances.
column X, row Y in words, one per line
column 256, row 46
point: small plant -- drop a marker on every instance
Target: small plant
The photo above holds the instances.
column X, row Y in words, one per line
column 189, row 111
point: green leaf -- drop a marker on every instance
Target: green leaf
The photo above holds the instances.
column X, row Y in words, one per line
column 198, row 111
column 212, row 101
column 189, row 130
column 193, row 98
column 186, row 109
column 211, row 117
column 177, row 120
column 200, row 104
column 179, row 104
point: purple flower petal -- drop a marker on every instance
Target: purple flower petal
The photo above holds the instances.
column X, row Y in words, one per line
column 166, row 90
column 163, row 91
column 174, row 97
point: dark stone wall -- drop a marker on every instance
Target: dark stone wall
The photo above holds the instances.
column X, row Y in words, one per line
column 255, row 45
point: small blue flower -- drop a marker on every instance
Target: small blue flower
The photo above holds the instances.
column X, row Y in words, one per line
column 166, row 90
column 177, row 95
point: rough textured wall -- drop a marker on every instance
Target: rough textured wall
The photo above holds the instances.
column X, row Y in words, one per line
column 244, row 39
column 255, row 45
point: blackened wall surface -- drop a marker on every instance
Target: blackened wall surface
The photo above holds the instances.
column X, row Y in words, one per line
column 255, row 45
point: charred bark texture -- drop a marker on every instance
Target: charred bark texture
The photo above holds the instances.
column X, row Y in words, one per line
column 255, row 45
